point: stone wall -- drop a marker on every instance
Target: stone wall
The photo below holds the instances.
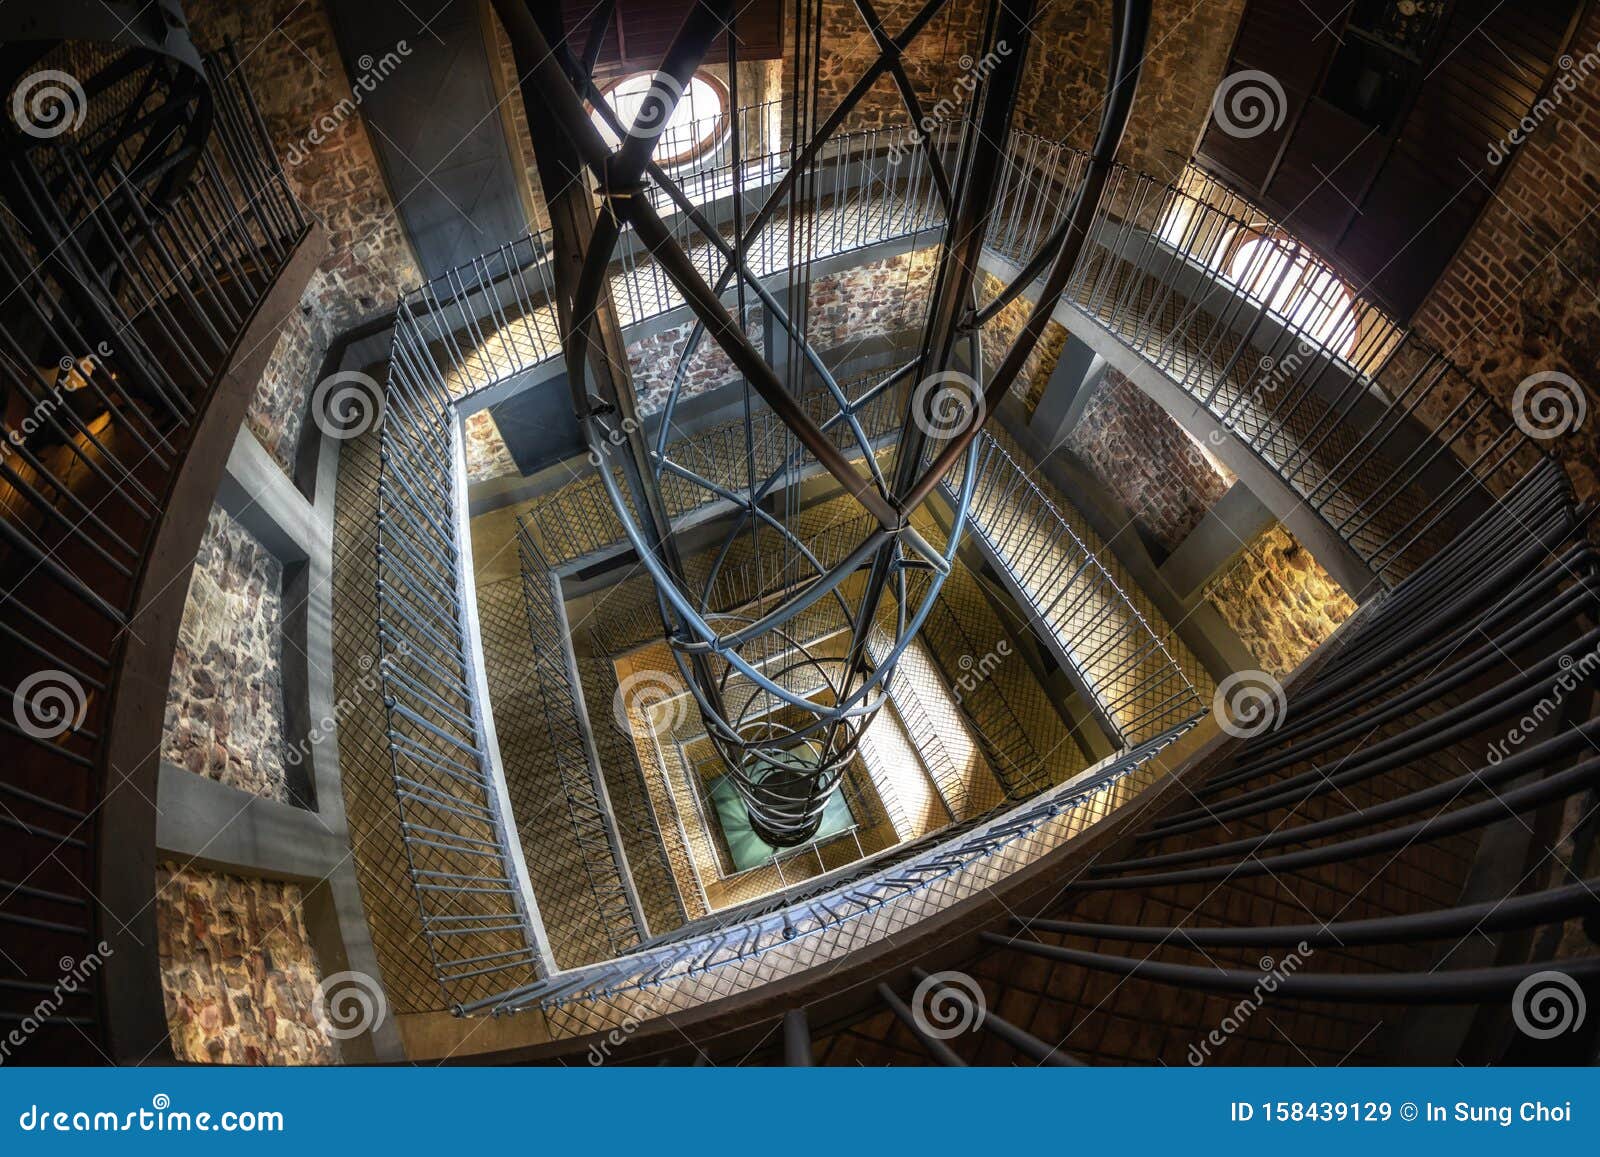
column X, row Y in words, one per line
column 225, row 700
column 277, row 410
column 932, row 61
column 1002, row 329
column 1520, row 296
column 1146, row 459
column 1185, row 56
column 289, row 56
column 653, row 362
column 238, row 971
column 871, row 300
column 1279, row 601
column 487, row 454
column 1065, row 74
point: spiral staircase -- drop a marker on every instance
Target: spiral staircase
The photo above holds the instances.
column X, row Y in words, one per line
column 1372, row 874
column 150, row 246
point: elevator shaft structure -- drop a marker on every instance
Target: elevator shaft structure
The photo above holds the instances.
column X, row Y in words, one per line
column 785, row 683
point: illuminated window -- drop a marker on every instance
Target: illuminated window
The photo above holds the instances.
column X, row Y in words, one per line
column 699, row 119
column 1223, row 232
column 1297, row 287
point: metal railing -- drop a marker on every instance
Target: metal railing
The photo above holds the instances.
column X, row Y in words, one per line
column 1389, row 443
column 134, row 262
column 490, row 319
column 726, row 941
column 1138, row 686
column 476, row 909
column 570, row 746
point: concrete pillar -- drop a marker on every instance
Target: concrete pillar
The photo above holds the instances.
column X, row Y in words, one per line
column 1066, row 395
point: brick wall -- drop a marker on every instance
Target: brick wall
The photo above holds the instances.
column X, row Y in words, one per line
column 871, row 300
column 291, row 60
column 1146, row 459
column 1520, row 297
column 238, row 971
column 654, row 360
column 225, row 700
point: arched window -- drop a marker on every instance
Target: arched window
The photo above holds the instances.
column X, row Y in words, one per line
column 1302, row 289
column 699, row 119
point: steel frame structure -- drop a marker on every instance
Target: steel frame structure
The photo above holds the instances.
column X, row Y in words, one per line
column 787, row 747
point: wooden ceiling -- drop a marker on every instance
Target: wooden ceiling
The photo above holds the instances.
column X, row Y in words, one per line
column 1384, row 157
column 639, row 31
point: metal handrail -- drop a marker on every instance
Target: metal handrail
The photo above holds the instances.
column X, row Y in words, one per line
column 135, row 266
column 490, row 319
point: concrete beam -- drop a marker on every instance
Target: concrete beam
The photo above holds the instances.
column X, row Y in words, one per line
column 1227, row 528
column 1066, row 395
column 229, row 830
column 259, row 496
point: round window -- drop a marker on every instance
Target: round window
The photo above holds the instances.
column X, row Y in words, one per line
column 698, row 121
